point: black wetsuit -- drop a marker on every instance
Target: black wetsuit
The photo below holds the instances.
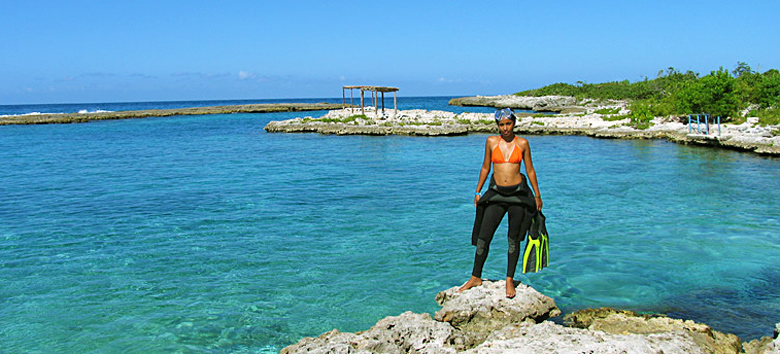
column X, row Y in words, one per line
column 519, row 202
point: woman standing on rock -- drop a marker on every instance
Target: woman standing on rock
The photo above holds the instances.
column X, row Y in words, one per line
column 508, row 192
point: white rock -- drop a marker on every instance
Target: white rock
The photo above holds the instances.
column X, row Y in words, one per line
column 485, row 308
column 548, row 337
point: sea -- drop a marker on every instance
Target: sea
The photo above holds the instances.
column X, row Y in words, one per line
column 205, row 234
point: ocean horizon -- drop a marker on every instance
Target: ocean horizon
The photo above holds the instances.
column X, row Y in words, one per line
column 207, row 234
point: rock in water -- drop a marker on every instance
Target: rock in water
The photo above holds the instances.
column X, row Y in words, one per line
column 482, row 320
column 486, row 308
column 620, row 321
column 407, row 333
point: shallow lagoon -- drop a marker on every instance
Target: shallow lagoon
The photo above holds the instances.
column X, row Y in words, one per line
column 205, row 234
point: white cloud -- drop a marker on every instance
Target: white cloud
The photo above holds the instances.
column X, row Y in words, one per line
column 246, row 75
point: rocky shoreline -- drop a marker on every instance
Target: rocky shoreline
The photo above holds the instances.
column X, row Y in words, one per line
column 748, row 136
column 559, row 104
column 482, row 320
column 60, row 118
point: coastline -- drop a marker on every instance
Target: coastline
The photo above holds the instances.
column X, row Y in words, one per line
column 482, row 320
column 67, row 118
column 748, row 136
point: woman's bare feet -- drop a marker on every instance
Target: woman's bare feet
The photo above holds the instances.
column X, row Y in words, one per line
column 510, row 288
column 474, row 281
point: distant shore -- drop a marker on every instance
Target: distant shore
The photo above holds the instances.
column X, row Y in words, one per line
column 65, row 118
column 585, row 120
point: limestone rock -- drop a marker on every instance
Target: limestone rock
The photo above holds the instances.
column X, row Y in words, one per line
column 482, row 320
column 623, row 322
column 765, row 345
column 540, row 104
column 486, row 308
column 58, row 118
column 548, row 337
column 407, row 333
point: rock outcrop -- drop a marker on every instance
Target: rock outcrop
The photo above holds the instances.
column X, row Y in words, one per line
column 485, row 308
column 56, row 118
column 742, row 137
column 407, row 333
column 766, row 345
column 539, row 104
column 482, row 320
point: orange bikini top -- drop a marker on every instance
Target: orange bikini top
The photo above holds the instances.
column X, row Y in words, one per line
column 514, row 157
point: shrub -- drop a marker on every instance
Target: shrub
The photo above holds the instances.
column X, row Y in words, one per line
column 641, row 115
column 768, row 92
column 769, row 116
column 607, row 110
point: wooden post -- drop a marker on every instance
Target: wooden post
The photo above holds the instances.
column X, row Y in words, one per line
column 343, row 98
column 383, row 103
column 376, row 103
column 351, row 106
column 362, row 111
column 395, row 101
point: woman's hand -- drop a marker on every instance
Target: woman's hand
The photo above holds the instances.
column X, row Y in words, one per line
column 476, row 199
column 539, row 203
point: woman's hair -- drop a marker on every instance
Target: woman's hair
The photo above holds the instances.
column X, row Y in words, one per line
column 505, row 113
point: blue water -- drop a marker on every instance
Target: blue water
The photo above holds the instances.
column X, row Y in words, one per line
column 204, row 234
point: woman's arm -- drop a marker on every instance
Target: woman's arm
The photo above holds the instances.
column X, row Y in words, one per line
column 531, row 172
column 484, row 171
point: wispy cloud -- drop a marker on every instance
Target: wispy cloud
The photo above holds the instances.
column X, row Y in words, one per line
column 246, row 75
column 96, row 74
column 143, row 76
column 249, row 76
column 85, row 76
column 197, row 75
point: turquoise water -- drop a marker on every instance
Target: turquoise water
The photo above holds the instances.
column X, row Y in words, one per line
column 205, row 234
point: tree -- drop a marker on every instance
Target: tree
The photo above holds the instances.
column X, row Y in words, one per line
column 713, row 94
column 768, row 92
column 741, row 69
column 718, row 95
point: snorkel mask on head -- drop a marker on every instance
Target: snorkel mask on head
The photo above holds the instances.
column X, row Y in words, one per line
column 505, row 113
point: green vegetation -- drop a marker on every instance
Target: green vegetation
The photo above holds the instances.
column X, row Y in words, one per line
column 641, row 115
column 608, row 110
column 347, row 120
column 721, row 93
column 769, row 116
column 537, row 123
column 543, row 115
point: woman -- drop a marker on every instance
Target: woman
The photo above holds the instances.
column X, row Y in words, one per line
column 508, row 193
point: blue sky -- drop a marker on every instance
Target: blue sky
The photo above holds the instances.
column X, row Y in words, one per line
column 112, row 51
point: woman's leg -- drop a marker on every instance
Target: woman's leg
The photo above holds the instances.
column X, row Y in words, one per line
column 519, row 221
column 490, row 220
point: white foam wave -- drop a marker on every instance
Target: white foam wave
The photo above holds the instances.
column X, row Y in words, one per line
column 95, row 111
column 26, row 114
column 82, row 111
